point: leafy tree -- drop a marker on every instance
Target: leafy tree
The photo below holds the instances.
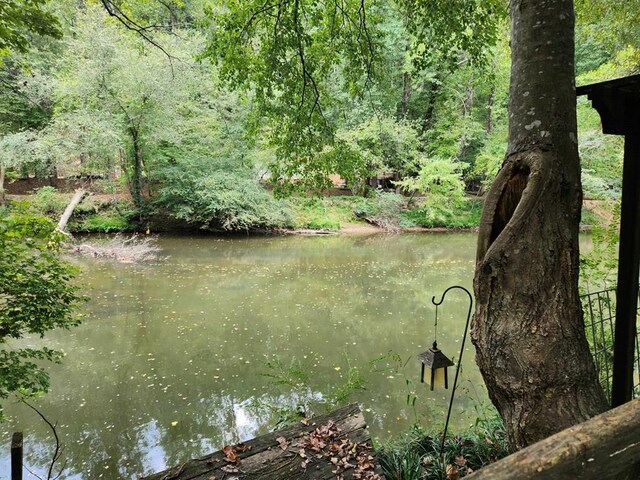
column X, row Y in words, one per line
column 439, row 178
column 36, row 295
column 118, row 96
column 378, row 145
column 19, row 18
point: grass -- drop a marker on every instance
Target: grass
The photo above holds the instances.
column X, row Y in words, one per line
column 96, row 214
column 328, row 213
column 416, row 454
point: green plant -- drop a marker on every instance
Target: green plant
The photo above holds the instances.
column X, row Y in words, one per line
column 47, row 201
column 297, row 376
column 598, row 267
column 416, row 454
column 216, row 199
column 386, row 210
column 107, row 222
column 462, row 213
column 36, row 295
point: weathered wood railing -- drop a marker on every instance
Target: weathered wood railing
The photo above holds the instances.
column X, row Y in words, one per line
column 336, row 445
column 606, row 446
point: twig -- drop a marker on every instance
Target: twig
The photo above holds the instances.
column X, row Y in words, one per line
column 57, row 451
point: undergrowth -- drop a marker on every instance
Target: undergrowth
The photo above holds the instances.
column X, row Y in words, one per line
column 416, row 454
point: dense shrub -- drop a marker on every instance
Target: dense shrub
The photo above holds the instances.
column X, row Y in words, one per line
column 220, row 200
column 461, row 213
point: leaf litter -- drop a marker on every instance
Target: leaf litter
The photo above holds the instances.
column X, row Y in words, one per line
column 328, row 443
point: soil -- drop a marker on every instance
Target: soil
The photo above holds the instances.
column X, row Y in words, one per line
column 599, row 208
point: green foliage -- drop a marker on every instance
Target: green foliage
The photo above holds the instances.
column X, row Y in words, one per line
column 329, row 213
column 386, row 210
column 376, row 146
column 439, row 178
column 104, row 222
column 457, row 28
column 416, row 455
column 19, row 18
column 48, row 202
column 287, row 54
column 36, row 295
column 598, row 267
column 462, row 213
column 297, row 377
column 215, row 199
column 597, row 188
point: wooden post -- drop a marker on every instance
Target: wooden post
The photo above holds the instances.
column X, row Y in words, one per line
column 628, row 270
column 16, row 456
column 618, row 103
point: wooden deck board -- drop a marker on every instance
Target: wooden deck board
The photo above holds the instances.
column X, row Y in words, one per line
column 335, row 445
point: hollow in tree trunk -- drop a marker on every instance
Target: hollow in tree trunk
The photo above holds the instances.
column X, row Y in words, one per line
column 528, row 328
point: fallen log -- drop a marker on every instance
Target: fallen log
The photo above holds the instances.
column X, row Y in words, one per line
column 336, row 445
column 606, row 446
column 78, row 196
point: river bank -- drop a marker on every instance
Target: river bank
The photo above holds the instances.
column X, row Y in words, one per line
column 102, row 212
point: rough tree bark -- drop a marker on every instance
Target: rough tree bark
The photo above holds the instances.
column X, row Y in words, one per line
column 528, row 328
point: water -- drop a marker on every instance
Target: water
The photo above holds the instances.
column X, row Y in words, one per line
column 170, row 362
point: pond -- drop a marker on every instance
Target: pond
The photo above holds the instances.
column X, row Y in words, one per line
column 208, row 346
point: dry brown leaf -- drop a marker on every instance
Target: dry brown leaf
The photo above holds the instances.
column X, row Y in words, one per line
column 460, row 460
column 282, row 442
column 241, row 448
column 229, row 454
column 230, row 469
column 452, row 473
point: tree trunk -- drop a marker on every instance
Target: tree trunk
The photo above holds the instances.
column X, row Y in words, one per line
column 406, row 94
column 2, row 175
column 467, row 105
column 136, row 175
column 75, row 200
column 427, row 119
column 528, row 328
column 490, row 100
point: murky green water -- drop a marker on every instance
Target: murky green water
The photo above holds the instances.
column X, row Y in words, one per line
column 170, row 363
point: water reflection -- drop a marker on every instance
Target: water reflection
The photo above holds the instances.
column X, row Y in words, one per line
column 169, row 363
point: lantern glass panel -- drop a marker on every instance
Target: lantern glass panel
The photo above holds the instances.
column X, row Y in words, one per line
column 439, row 376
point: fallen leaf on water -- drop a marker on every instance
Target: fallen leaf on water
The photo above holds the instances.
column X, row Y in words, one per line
column 173, row 424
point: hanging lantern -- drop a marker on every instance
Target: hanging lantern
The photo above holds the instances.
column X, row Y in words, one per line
column 434, row 367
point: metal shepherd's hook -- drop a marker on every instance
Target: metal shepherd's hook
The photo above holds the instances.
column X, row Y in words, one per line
column 464, row 337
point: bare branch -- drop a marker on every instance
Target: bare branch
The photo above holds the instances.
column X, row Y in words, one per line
column 116, row 12
column 57, row 451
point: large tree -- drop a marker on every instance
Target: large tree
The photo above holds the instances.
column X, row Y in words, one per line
column 528, row 329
